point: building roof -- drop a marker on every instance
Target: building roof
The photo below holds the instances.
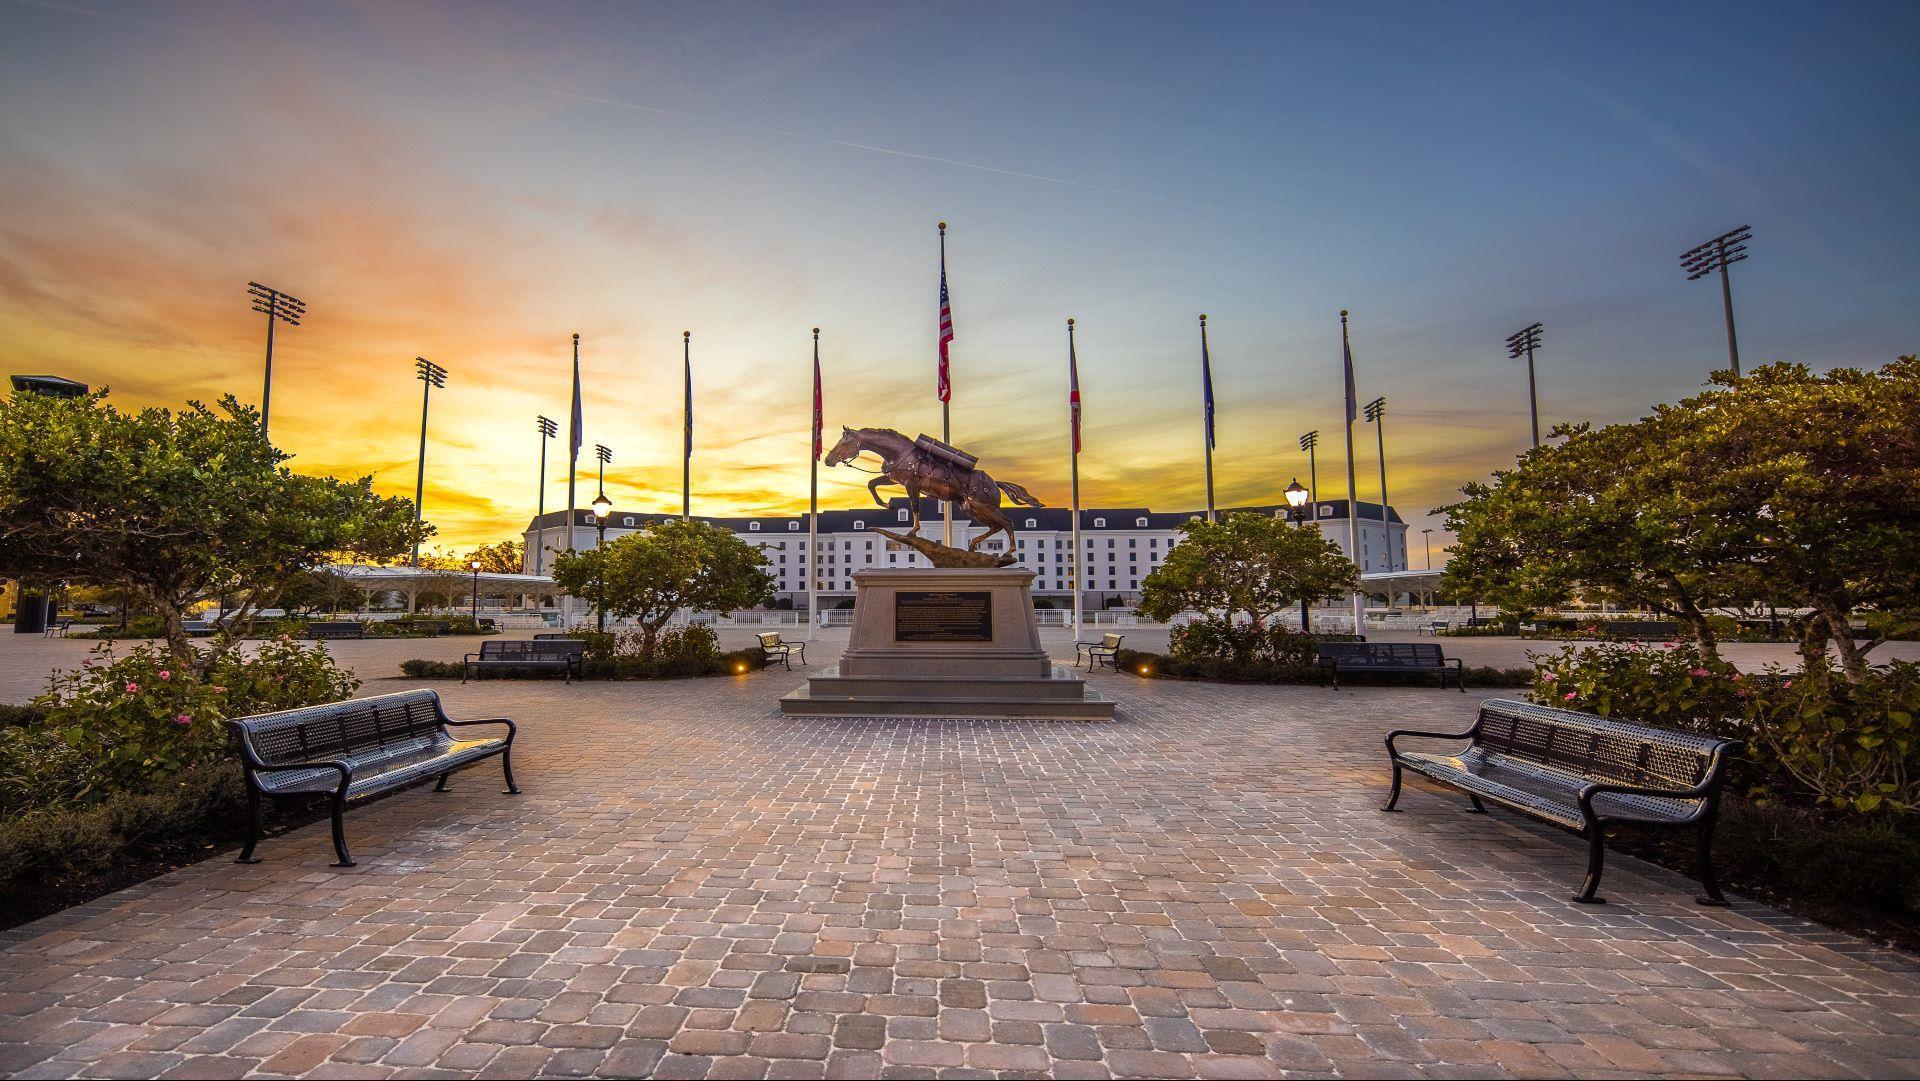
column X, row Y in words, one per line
column 1094, row 519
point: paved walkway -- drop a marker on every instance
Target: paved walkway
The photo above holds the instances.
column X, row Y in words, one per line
column 692, row 885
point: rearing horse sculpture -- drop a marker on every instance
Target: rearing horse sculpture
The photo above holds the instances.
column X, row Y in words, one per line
column 920, row 472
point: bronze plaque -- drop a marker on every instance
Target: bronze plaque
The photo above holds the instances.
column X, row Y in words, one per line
column 928, row 615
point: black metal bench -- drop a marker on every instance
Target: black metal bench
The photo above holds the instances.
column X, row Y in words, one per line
column 434, row 628
column 199, row 628
column 1106, row 649
column 1641, row 630
column 552, row 636
column 773, row 649
column 1337, row 657
column 542, row 653
column 58, row 627
column 1581, row 773
column 355, row 749
column 342, row 629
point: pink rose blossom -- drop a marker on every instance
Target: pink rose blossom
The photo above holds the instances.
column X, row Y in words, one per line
column 217, row 689
column 133, row 688
column 1568, row 697
column 166, row 673
column 184, row 718
column 1548, row 676
column 1787, row 684
column 1698, row 672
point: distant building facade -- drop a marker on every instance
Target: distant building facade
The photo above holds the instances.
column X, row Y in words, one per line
column 1122, row 545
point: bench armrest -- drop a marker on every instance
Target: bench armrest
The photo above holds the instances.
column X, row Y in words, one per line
column 473, row 657
column 1394, row 752
column 489, row 720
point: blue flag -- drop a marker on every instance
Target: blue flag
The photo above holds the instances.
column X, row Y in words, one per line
column 576, row 428
column 1206, row 381
column 687, row 423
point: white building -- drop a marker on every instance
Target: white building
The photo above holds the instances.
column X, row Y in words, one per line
column 1123, row 545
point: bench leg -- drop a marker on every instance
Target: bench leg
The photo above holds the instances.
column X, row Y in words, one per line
column 1393, row 798
column 442, row 786
column 1703, row 852
column 1596, row 860
column 253, row 828
column 340, row 830
column 465, row 669
column 506, row 768
column 1478, row 807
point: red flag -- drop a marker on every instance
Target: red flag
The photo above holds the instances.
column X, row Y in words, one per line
column 819, row 403
column 944, row 385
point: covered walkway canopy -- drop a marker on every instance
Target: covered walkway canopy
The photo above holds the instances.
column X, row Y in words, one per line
column 452, row 587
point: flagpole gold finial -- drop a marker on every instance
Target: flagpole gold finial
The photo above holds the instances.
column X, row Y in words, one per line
column 816, row 332
column 576, row 337
column 1203, row 319
column 686, row 335
column 1069, row 320
column 943, row 227
column 1343, row 313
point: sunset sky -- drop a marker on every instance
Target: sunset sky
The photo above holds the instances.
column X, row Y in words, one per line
column 475, row 184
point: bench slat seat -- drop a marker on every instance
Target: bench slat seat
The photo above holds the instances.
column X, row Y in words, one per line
column 358, row 748
column 1580, row 773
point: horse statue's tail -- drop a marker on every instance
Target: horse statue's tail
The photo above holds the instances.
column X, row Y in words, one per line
column 1019, row 495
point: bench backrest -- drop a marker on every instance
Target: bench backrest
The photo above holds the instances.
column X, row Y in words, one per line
column 335, row 628
column 769, row 639
column 315, row 733
column 1383, row 654
column 551, row 636
column 539, row 649
column 1640, row 628
column 1588, row 746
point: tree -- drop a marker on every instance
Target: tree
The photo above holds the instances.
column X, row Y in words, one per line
column 175, row 507
column 1784, row 487
column 1246, row 564
column 506, row 557
column 649, row 575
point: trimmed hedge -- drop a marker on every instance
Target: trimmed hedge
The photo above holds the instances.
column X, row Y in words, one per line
column 1162, row 666
column 614, row 668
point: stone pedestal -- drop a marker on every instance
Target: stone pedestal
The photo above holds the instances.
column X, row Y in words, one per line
column 946, row 642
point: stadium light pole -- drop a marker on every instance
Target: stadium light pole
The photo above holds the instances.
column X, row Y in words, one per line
column 601, row 452
column 1376, row 411
column 548, row 430
column 1718, row 254
column 1307, row 443
column 278, row 307
column 431, row 375
column 1522, row 343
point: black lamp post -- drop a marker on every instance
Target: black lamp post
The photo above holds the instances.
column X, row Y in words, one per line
column 602, row 506
column 476, row 593
column 1426, row 537
column 1297, row 514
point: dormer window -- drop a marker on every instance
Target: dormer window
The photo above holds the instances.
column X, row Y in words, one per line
column 1033, row 523
column 793, row 527
column 859, row 525
column 902, row 515
column 1099, row 523
column 628, row 520
column 1141, row 522
column 753, row 527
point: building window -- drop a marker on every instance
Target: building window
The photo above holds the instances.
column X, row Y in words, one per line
column 1099, row 523
column 753, row 527
column 793, row 526
column 859, row 525
column 627, row 520
column 902, row 515
column 1033, row 523
column 1141, row 522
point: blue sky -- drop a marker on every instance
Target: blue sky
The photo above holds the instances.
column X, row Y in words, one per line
column 475, row 183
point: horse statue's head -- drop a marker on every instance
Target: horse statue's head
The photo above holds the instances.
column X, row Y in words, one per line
column 847, row 449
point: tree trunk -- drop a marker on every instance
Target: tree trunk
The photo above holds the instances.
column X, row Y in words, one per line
column 1852, row 659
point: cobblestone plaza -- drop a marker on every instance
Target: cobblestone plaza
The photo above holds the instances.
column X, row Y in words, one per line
column 692, row 885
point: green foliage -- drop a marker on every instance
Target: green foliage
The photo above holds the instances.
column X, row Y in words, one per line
column 1784, row 486
column 677, row 652
column 1215, row 649
column 1161, row 665
column 506, row 557
column 124, row 724
column 174, row 507
column 1245, row 564
column 674, row 564
column 1811, row 737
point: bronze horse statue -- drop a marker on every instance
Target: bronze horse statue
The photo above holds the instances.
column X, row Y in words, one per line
column 926, row 467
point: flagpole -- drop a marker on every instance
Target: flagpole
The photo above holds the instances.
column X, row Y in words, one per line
column 1206, row 412
column 946, row 428
column 1353, row 502
column 813, row 497
column 573, row 471
column 1073, row 383
column 686, row 428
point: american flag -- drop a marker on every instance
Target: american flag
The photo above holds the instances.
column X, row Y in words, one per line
column 1073, row 388
column 819, row 402
column 944, row 385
